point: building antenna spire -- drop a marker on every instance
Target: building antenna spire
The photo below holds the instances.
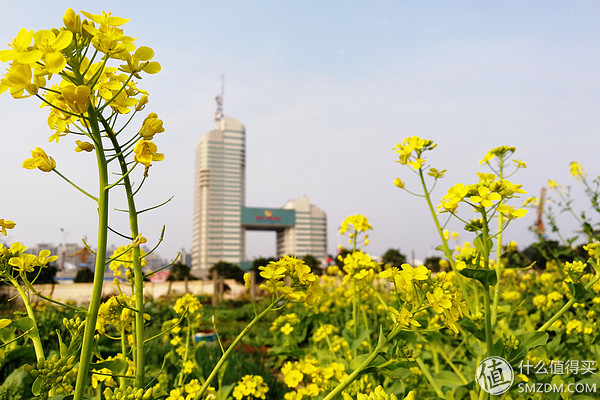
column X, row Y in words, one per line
column 219, row 99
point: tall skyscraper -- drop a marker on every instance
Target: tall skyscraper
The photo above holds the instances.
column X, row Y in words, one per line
column 221, row 218
column 219, row 191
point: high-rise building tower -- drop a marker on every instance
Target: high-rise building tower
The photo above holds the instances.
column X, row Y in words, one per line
column 219, row 190
column 309, row 233
column 221, row 218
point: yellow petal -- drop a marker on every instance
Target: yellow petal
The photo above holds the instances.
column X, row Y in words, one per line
column 30, row 57
column 63, row 40
column 55, row 62
column 144, row 53
column 152, row 68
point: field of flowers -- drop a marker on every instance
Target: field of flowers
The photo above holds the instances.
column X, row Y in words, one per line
column 491, row 323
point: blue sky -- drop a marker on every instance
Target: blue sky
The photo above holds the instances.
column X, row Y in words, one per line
column 325, row 90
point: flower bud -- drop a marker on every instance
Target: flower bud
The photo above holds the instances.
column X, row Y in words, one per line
column 398, row 182
column 72, row 21
column 141, row 103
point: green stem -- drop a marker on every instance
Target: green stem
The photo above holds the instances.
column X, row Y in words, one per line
column 187, row 349
column 232, row 346
column 445, row 248
column 354, row 308
column 75, row 186
column 35, row 335
column 123, row 352
column 454, row 368
column 486, row 289
column 138, row 275
column 90, row 322
column 430, row 378
column 488, row 320
column 498, row 254
column 365, row 364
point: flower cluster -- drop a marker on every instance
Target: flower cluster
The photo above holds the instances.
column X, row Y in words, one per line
column 285, row 323
column 54, row 373
column 190, row 391
column 14, row 258
column 250, row 386
column 88, row 85
column 358, row 222
column 355, row 226
column 406, row 275
column 577, row 170
column 119, row 312
column 359, row 266
column 303, row 285
column 574, row 270
column 122, row 261
column 378, row 394
column 310, row 379
column 187, row 303
column 500, row 152
column 489, row 192
column 410, row 151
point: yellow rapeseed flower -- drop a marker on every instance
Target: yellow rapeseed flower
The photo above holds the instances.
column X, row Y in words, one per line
column 577, row 170
column 145, row 153
column 250, row 386
column 358, row 222
column 151, row 126
column 6, row 224
column 188, row 302
column 77, row 97
column 83, row 146
column 39, row 159
column 485, row 197
column 438, row 300
column 500, row 152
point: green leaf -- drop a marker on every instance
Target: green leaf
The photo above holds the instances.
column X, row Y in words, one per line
column 224, row 391
column 16, row 386
column 487, row 277
column 470, row 326
column 24, row 354
column 497, row 349
column 363, row 334
column 381, row 339
column 61, row 346
column 577, row 290
column 25, row 324
column 395, row 372
column 527, row 341
column 4, row 322
column 358, row 360
column 37, row 386
column 447, row 378
column 116, row 366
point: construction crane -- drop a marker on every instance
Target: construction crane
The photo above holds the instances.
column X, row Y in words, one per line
column 539, row 224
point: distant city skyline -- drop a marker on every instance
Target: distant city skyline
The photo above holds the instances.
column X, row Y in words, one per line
column 325, row 91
